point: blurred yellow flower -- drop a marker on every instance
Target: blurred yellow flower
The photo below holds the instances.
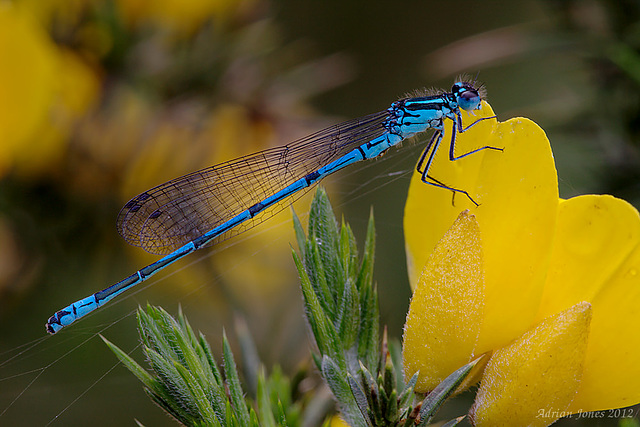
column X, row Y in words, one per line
column 183, row 16
column 149, row 145
column 46, row 90
column 549, row 286
column 27, row 73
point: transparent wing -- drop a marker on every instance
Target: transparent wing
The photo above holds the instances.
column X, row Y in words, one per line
column 170, row 215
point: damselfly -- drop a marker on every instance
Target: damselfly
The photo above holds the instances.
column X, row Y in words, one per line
column 207, row 206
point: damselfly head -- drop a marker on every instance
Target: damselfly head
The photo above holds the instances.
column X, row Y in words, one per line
column 466, row 96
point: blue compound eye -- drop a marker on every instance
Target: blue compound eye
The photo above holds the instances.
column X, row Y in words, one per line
column 469, row 100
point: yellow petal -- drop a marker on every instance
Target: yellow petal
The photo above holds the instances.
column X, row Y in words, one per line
column 611, row 371
column 594, row 236
column 596, row 258
column 534, row 380
column 446, row 309
column 27, row 89
column 518, row 195
column 183, row 16
column 77, row 89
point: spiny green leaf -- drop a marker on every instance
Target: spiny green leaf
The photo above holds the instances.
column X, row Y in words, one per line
column 348, row 252
column 339, row 385
column 323, row 329
column 391, row 413
column 159, row 332
column 353, row 249
column 250, row 359
column 436, row 398
column 383, row 399
column 210, row 360
column 360, row 398
column 365, row 275
column 163, row 402
column 235, row 390
column 322, row 222
column 324, row 230
column 130, row 364
column 406, row 397
column 301, row 237
column 395, row 351
column 454, row 422
column 389, row 376
column 326, row 295
column 176, row 391
column 368, row 337
column 312, row 308
column 185, row 328
column 197, row 394
column 371, row 391
column 217, row 394
column 192, row 361
column 264, row 404
column 254, row 418
column 348, row 320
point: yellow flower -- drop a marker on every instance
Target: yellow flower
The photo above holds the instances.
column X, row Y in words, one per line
column 183, row 16
column 46, row 90
column 150, row 145
column 28, row 88
column 549, row 286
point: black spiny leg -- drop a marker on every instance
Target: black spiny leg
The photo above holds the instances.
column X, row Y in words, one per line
column 460, row 129
column 431, row 149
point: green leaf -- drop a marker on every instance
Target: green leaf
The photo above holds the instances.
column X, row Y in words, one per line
column 436, row 398
column 454, row 422
column 175, row 390
column 348, row 252
column 368, row 337
column 301, row 237
column 406, row 397
column 197, row 394
column 233, row 382
column 163, row 402
column 323, row 329
column 391, row 413
column 365, row 275
column 387, row 379
column 191, row 361
column 373, row 394
column 250, row 360
column 154, row 333
column 395, row 352
column 323, row 229
column 339, row 385
column 130, row 364
column 312, row 307
column 318, row 279
column 360, row 398
column 264, row 404
column 348, row 320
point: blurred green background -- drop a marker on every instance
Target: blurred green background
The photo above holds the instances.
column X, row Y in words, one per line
column 101, row 100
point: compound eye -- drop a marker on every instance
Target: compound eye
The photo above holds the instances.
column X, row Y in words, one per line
column 469, row 100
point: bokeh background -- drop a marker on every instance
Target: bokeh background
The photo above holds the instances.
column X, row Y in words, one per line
column 100, row 100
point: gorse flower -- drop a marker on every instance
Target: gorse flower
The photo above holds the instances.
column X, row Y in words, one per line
column 47, row 88
column 549, row 287
column 103, row 100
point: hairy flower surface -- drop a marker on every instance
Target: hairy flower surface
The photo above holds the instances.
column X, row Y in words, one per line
column 549, row 286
